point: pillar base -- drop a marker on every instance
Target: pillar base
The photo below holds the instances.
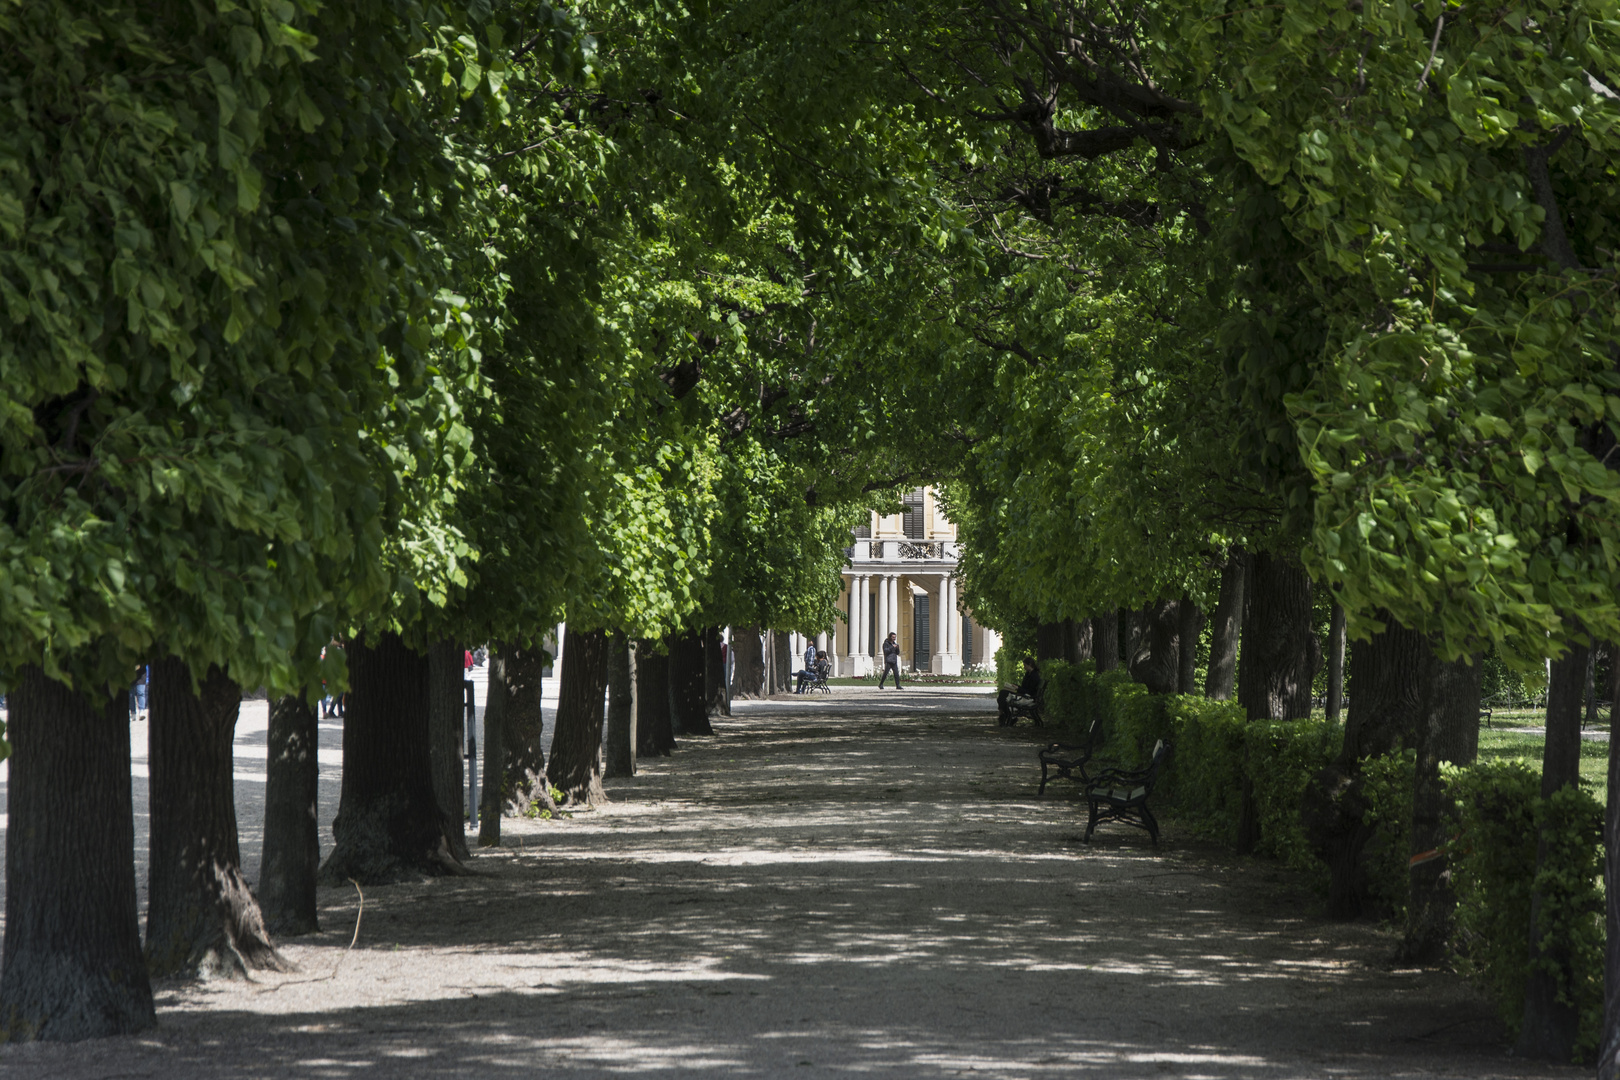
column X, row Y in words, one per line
column 946, row 664
column 857, row 667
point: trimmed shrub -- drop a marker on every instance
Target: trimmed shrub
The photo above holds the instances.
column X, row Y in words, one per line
column 1387, row 784
column 1205, row 784
column 1066, row 695
column 1498, row 811
column 1283, row 755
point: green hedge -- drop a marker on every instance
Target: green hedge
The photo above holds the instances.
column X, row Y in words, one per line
column 1214, row 749
column 1497, row 812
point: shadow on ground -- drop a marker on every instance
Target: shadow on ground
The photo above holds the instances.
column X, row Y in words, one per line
column 833, row 887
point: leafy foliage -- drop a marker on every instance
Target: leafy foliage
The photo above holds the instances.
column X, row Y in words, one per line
column 227, row 344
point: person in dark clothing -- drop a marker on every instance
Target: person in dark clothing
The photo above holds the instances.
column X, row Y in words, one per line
column 1025, row 689
column 891, row 661
column 808, row 674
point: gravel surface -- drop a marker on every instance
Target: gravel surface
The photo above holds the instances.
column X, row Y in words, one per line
column 861, row 884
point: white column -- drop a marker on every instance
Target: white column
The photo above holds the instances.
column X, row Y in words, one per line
column 880, row 624
column 894, row 605
column 992, row 642
column 953, row 623
column 852, row 636
column 863, row 602
column 937, row 601
column 870, row 607
column 866, row 615
column 891, row 606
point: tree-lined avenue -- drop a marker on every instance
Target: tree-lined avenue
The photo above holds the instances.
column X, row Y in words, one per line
column 861, row 884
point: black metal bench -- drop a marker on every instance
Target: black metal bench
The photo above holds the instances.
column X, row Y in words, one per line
column 1067, row 759
column 818, row 677
column 1119, row 795
column 1022, row 706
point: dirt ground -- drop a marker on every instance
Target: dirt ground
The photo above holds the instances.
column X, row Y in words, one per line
column 858, row 885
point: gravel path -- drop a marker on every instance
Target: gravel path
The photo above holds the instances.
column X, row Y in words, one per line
column 864, row 884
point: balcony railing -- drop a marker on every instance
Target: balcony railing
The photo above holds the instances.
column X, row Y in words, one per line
column 907, row 550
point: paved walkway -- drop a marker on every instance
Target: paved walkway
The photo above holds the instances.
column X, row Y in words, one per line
column 857, row 885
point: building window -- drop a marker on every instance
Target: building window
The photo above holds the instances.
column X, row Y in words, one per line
column 967, row 642
column 912, row 520
column 864, row 532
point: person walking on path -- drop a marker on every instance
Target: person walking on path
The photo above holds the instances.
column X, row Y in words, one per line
column 891, row 661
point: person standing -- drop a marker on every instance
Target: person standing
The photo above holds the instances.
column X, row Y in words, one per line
column 891, row 661
column 137, row 697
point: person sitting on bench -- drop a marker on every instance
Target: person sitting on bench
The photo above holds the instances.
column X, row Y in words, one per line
column 1026, row 689
column 809, row 673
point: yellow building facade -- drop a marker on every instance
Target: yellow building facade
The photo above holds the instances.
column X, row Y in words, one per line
column 900, row 577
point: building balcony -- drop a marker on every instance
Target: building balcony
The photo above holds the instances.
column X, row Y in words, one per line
column 902, row 551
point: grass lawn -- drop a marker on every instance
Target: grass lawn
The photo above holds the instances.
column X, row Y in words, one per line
column 1498, row 745
column 938, row 680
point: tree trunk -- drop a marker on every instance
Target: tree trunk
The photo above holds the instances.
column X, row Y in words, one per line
column 1335, row 662
column 491, row 793
column 1389, row 691
column 576, row 743
column 1448, row 732
column 768, row 661
column 655, row 734
column 1609, row 1054
column 1275, row 683
column 747, row 663
column 73, row 966
column 1049, row 644
column 621, row 709
column 782, row 665
column 687, row 711
column 714, row 674
column 201, row 918
column 1187, row 630
column 1223, row 638
column 292, row 835
column 1550, row 1025
column 1590, row 691
column 447, row 713
column 1139, row 642
column 1156, row 654
column 1105, row 640
column 388, row 826
column 1275, row 680
column 1082, row 639
column 523, row 725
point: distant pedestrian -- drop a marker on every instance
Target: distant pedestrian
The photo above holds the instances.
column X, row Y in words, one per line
column 467, row 661
column 137, row 695
column 331, row 704
column 891, row 661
